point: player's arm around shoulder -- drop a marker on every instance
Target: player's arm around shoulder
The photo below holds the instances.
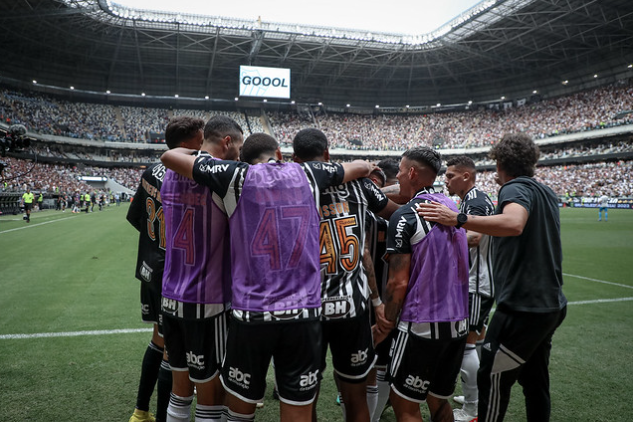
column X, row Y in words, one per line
column 509, row 223
column 356, row 169
column 179, row 160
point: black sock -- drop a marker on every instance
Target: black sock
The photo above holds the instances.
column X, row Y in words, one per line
column 149, row 373
column 164, row 390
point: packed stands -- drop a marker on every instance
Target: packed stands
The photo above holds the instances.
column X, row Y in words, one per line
column 584, row 111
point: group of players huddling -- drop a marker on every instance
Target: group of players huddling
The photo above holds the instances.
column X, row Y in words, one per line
column 246, row 262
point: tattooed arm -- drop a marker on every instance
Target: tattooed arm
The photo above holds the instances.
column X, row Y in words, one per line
column 399, row 266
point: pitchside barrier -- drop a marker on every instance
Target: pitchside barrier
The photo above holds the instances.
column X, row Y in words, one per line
column 592, row 202
column 10, row 202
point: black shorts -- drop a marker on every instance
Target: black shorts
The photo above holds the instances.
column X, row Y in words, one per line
column 28, row 207
column 423, row 366
column 479, row 310
column 150, row 305
column 296, row 349
column 351, row 345
column 196, row 345
column 382, row 350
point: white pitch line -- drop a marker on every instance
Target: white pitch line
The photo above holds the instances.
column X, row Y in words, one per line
column 599, row 281
column 75, row 333
column 45, row 222
column 35, row 225
column 585, row 302
column 149, row 330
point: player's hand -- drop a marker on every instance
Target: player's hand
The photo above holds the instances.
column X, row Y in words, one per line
column 383, row 325
column 379, row 313
column 378, row 335
column 438, row 213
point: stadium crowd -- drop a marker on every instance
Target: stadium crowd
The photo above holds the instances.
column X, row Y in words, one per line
column 587, row 110
column 593, row 109
column 44, row 114
column 58, row 178
column 611, row 178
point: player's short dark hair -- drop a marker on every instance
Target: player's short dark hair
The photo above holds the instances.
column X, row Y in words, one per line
column 516, row 154
column 425, row 155
column 378, row 173
column 220, row 126
column 389, row 166
column 461, row 161
column 180, row 129
column 256, row 145
column 309, row 144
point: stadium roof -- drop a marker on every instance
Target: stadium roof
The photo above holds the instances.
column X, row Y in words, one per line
column 502, row 48
column 356, row 14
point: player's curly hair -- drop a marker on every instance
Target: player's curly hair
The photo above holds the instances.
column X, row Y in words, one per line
column 516, row 154
column 425, row 155
column 309, row 144
column 180, row 129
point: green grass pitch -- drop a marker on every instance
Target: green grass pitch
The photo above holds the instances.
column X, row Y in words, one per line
column 69, row 273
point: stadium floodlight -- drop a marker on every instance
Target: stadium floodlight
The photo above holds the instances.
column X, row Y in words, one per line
column 407, row 106
column 142, row 94
column 108, row 91
column 320, row 103
column 206, row 97
column 176, row 95
column 470, row 102
column 377, row 106
column 236, row 98
column 565, row 82
column 72, row 87
column 438, row 105
column 265, row 100
column 595, row 75
column 348, row 106
column 630, row 66
column 535, row 92
column 292, row 102
column 34, row 81
column 503, row 97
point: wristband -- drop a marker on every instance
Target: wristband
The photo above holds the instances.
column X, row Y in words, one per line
column 376, row 302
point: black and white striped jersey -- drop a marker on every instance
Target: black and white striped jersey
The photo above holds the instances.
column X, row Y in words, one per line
column 343, row 208
column 377, row 243
column 476, row 202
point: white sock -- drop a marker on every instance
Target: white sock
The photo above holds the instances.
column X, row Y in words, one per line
column 470, row 365
column 179, row 408
column 208, row 413
column 383, row 394
column 372, row 398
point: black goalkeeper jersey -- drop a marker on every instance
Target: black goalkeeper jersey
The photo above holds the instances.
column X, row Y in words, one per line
column 146, row 215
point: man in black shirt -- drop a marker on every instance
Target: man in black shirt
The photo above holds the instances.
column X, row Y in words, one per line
column 528, row 281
